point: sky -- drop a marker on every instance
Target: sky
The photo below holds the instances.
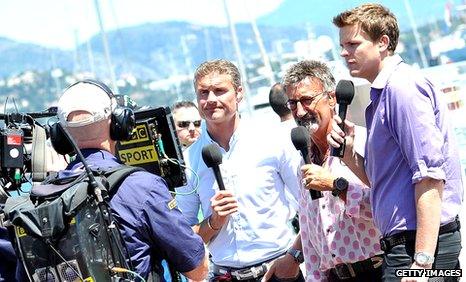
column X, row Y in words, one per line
column 59, row 23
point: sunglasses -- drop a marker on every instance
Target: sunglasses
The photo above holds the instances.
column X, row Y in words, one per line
column 306, row 102
column 186, row 123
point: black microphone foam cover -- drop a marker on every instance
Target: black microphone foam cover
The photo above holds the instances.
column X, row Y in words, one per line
column 344, row 92
column 300, row 138
column 211, row 155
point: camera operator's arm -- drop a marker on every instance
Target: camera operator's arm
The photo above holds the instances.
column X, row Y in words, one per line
column 161, row 225
column 200, row 272
column 183, row 248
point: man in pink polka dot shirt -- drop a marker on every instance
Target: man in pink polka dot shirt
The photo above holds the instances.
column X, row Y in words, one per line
column 338, row 238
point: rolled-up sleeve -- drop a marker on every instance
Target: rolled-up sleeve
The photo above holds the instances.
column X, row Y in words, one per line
column 153, row 227
column 411, row 113
column 173, row 235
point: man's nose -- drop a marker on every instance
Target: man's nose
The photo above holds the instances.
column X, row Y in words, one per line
column 191, row 126
column 211, row 97
column 344, row 52
column 300, row 111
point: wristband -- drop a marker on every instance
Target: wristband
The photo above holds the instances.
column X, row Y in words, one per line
column 210, row 225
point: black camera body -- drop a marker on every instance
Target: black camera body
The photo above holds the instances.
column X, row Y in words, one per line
column 155, row 147
column 16, row 148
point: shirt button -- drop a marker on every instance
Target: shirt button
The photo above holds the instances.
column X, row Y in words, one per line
column 323, row 206
column 333, row 255
column 328, row 230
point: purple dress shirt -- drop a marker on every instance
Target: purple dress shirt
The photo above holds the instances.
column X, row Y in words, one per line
column 409, row 138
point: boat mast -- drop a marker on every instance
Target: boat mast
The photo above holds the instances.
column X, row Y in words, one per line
column 103, row 34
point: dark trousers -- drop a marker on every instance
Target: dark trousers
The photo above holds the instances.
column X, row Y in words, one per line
column 371, row 275
column 402, row 256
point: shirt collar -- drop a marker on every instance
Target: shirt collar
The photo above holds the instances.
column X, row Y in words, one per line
column 234, row 138
column 90, row 155
column 390, row 64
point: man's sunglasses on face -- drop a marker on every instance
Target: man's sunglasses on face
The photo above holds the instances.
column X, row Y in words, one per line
column 186, row 123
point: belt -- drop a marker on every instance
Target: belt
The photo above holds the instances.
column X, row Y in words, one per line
column 404, row 237
column 352, row 270
column 250, row 272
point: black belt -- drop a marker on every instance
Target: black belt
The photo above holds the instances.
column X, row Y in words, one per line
column 410, row 235
column 247, row 273
column 351, row 270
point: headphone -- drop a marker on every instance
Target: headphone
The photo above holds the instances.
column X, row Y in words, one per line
column 122, row 123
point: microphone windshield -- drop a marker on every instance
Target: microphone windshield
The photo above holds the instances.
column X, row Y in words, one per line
column 344, row 92
column 300, row 137
column 211, row 155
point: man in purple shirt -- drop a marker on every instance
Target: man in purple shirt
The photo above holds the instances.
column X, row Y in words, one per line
column 151, row 225
column 411, row 159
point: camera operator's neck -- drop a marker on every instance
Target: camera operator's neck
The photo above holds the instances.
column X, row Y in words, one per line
column 107, row 145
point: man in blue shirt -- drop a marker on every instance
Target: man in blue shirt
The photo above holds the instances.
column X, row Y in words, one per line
column 151, row 225
column 411, row 159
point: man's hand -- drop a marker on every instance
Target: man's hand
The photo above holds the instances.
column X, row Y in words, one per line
column 415, row 279
column 352, row 159
column 317, row 178
column 336, row 137
column 223, row 204
column 283, row 268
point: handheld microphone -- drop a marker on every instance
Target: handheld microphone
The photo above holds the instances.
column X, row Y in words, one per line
column 301, row 140
column 344, row 94
column 213, row 158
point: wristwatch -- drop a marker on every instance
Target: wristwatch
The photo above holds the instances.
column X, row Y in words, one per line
column 340, row 184
column 423, row 259
column 297, row 255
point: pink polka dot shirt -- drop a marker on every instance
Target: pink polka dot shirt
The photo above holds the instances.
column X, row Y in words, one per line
column 334, row 233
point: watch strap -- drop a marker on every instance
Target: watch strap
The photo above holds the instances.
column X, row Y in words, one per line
column 423, row 259
column 296, row 254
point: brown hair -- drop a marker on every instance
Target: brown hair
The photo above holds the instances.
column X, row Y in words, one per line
column 183, row 104
column 374, row 19
column 220, row 66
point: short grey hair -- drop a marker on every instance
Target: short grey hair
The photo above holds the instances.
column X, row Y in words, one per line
column 309, row 68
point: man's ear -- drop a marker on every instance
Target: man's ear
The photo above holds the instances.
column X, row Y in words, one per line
column 384, row 41
column 332, row 99
column 239, row 94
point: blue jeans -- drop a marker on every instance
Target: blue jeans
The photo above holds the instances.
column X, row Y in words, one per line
column 402, row 256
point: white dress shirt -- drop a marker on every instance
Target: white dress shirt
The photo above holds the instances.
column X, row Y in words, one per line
column 261, row 169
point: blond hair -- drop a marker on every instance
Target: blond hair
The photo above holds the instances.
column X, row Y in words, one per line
column 374, row 19
column 219, row 66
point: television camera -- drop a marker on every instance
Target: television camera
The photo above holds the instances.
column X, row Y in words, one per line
column 154, row 146
column 20, row 135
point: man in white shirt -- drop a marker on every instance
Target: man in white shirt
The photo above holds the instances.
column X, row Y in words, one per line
column 245, row 226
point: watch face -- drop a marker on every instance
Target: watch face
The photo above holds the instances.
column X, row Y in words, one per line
column 422, row 258
column 341, row 184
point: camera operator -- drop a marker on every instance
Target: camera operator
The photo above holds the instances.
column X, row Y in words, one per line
column 151, row 225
